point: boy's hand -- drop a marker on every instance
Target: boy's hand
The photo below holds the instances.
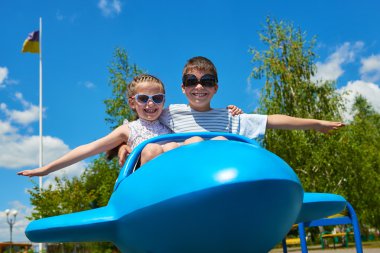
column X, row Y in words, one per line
column 327, row 126
column 33, row 173
column 123, row 153
column 234, row 110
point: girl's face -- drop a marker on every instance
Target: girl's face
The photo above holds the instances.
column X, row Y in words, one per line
column 149, row 110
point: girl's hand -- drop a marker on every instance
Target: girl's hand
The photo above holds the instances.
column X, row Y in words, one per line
column 123, row 153
column 235, row 110
column 32, row 173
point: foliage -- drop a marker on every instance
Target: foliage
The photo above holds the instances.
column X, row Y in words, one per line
column 121, row 73
column 337, row 163
column 362, row 155
column 287, row 66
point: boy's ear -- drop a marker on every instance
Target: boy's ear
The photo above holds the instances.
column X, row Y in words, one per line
column 183, row 88
column 216, row 87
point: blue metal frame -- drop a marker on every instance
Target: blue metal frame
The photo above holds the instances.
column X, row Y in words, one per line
column 351, row 218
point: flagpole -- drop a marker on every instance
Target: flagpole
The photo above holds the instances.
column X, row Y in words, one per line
column 40, row 105
column 40, row 117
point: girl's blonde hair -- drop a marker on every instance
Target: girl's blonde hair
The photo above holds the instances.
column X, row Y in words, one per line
column 132, row 86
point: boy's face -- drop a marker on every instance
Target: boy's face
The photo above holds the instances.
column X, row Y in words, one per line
column 199, row 96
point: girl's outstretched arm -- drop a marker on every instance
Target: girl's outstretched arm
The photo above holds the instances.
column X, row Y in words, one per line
column 278, row 121
column 110, row 141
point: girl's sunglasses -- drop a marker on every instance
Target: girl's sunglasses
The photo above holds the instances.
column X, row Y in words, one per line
column 207, row 80
column 143, row 99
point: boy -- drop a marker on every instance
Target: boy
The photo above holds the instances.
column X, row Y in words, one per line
column 200, row 84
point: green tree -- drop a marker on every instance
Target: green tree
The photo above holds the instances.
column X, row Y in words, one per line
column 337, row 163
column 363, row 159
column 121, row 73
column 287, row 67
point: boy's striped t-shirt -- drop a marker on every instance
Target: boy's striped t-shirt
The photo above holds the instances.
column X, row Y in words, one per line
column 180, row 118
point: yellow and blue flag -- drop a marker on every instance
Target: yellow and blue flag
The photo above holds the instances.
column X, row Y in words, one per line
column 31, row 44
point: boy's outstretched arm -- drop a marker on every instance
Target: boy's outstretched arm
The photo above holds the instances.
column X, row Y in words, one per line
column 110, row 141
column 278, row 121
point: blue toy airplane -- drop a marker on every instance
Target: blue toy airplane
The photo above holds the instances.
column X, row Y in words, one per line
column 211, row 196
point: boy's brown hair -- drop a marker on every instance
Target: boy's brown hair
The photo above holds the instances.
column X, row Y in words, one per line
column 200, row 63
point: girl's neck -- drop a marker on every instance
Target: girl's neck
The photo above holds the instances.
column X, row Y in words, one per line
column 148, row 120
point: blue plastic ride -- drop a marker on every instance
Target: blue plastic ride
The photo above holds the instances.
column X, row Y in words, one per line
column 212, row 196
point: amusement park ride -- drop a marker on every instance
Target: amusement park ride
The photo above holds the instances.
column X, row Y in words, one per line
column 211, row 196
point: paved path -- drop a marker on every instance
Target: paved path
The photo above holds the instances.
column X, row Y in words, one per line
column 338, row 250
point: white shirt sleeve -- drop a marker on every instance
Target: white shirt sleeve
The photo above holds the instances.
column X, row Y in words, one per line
column 253, row 125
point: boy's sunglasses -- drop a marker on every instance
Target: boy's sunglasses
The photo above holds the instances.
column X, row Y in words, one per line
column 143, row 98
column 207, row 80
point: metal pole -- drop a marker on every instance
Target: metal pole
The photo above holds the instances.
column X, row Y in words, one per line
column 40, row 106
column 11, row 222
column 10, row 228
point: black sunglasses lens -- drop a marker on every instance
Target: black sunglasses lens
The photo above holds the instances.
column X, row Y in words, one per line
column 158, row 99
column 142, row 98
column 190, row 80
column 208, row 81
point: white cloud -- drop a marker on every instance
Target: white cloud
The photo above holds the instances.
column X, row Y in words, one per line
column 22, row 150
column 252, row 92
column 370, row 69
column 87, row 84
column 332, row 69
column 6, row 128
column 4, row 79
column 61, row 17
column 3, row 75
column 109, row 8
column 19, row 151
column 368, row 90
column 29, row 115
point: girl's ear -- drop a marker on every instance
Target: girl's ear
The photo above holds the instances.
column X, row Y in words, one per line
column 131, row 102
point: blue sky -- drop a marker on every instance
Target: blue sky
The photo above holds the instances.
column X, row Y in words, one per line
column 79, row 38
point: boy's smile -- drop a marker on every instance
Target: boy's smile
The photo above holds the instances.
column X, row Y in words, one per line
column 199, row 96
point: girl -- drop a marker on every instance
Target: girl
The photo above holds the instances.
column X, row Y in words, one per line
column 146, row 97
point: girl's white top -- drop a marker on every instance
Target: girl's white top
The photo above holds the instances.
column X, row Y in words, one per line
column 141, row 130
